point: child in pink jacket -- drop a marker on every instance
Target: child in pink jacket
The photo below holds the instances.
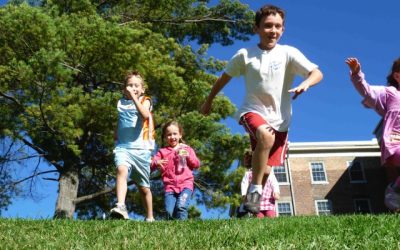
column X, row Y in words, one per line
column 385, row 100
column 176, row 162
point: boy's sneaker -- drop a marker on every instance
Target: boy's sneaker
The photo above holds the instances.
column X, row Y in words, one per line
column 244, row 215
column 149, row 220
column 119, row 212
column 252, row 202
column 392, row 198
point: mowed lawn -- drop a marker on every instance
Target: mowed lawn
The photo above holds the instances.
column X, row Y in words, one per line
column 303, row 232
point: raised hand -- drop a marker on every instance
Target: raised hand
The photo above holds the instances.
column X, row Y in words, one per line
column 353, row 64
column 131, row 92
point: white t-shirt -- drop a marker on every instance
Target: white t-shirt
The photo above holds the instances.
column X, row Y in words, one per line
column 268, row 76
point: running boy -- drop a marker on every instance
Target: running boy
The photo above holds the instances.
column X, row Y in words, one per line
column 135, row 141
column 269, row 70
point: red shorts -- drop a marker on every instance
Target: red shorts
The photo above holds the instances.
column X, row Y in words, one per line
column 251, row 121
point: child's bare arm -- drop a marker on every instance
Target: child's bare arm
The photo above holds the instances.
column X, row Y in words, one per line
column 143, row 108
column 354, row 65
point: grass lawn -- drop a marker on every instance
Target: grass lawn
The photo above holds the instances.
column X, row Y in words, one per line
column 311, row 232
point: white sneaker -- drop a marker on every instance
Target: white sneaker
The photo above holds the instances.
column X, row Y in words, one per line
column 119, row 212
column 392, row 199
column 149, row 220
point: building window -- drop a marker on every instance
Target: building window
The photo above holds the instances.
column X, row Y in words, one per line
column 318, row 174
column 284, row 209
column 323, row 207
column 356, row 172
column 281, row 174
column 362, row 206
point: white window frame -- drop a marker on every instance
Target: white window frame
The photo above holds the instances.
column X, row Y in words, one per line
column 285, row 173
column 362, row 199
column 284, row 202
column 330, row 205
column 349, row 165
column 311, row 173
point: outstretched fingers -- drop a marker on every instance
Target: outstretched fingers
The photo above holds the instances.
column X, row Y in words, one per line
column 353, row 64
column 298, row 90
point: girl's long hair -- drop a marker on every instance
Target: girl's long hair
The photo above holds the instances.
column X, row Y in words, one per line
column 395, row 68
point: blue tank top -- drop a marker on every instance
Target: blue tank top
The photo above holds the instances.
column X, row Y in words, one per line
column 130, row 125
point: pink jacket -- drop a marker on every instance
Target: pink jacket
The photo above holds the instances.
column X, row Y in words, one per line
column 386, row 102
column 173, row 180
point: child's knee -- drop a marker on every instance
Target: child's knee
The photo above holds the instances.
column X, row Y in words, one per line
column 145, row 190
column 122, row 171
column 265, row 137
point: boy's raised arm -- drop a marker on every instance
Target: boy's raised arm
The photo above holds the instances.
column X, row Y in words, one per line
column 219, row 84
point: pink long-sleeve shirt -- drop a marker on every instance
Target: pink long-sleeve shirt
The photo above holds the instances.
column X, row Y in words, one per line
column 174, row 180
column 386, row 102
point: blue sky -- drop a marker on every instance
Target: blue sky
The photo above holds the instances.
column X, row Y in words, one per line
column 327, row 32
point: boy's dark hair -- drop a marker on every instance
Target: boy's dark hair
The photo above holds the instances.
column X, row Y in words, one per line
column 134, row 73
column 267, row 10
column 166, row 125
column 395, row 68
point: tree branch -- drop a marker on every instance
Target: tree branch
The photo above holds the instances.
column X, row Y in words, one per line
column 11, row 98
column 34, row 175
column 35, row 172
column 71, row 67
column 103, row 192
column 42, row 152
column 28, row 143
column 41, row 111
column 185, row 21
column 3, row 158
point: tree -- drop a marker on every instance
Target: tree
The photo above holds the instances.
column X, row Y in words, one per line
column 61, row 68
column 7, row 189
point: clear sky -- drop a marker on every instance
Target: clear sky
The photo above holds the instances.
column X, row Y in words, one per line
column 327, row 32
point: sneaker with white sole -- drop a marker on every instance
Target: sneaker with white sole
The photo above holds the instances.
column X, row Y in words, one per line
column 252, row 202
column 392, row 198
column 149, row 220
column 119, row 212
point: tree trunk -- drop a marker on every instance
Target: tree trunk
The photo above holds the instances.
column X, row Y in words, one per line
column 67, row 193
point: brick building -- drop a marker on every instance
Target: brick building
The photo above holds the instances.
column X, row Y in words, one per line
column 331, row 178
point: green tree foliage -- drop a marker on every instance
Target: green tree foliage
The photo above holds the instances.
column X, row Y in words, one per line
column 61, row 69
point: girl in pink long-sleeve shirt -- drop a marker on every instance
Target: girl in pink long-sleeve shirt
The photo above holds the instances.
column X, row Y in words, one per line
column 176, row 162
column 386, row 102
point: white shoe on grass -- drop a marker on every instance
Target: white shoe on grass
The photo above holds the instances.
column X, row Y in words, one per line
column 119, row 212
column 149, row 220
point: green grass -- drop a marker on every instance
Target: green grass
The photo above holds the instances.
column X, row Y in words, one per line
column 327, row 232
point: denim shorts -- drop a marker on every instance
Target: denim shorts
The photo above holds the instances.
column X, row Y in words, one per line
column 138, row 163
